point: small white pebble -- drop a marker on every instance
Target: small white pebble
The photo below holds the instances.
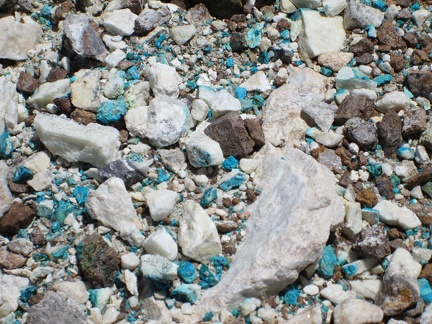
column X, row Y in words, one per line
column 311, row 290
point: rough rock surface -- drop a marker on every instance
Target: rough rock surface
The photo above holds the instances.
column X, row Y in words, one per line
column 5, row 194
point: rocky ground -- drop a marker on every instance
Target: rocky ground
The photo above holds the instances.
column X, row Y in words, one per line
column 215, row 161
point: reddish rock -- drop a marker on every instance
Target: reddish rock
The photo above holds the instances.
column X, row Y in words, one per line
column 56, row 74
column 394, row 233
column 352, row 106
column 420, row 83
column 427, row 273
column 282, row 25
column 371, row 242
column 420, row 178
column 18, row 217
column 26, row 83
column 411, row 39
column 419, row 57
column 64, row 105
column 255, row 131
column 10, row 260
column 83, row 117
column 345, row 155
column 364, row 59
column 398, row 62
column 61, row 11
column 388, row 35
column 367, row 197
column 362, row 46
column 414, row 122
column 384, row 187
column 226, row 227
column 389, row 132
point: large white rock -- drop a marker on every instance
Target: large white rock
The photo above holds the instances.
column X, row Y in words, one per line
column 136, row 121
column 167, row 120
column 121, row 22
column 182, row 34
column 359, row 15
column 310, row 315
column 220, row 102
column 111, row 205
column 17, row 39
column 158, row 268
column 395, row 100
column 10, row 289
column 5, row 194
column 257, row 82
column 86, row 90
column 47, row 92
column 402, row 263
column 302, row 97
column 357, row 311
column 164, row 80
column 320, row 34
column 8, row 104
column 161, row 243
column 287, row 182
column 203, row 151
column 392, row 214
column 161, row 203
column 198, row 236
column 93, row 143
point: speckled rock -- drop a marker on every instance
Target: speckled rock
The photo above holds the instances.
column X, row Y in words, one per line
column 371, row 242
column 361, row 132
column 389, row 132
column 355, row 105
column 19, row 216
column 149, row 19
column 357, row 311
column 420, row 83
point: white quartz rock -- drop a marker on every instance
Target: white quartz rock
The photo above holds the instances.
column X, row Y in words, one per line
column 198, row 236
column 8, row 104
column 396, row 100
column 75, row 290
column 353, row 219
column 5, row 194
column 114, row 87
column 220, row 102
column 310, row 315
column 359, row 15
column 392, row 214
column 37, row 162
column 161, row 243
column 257, row 82
column 182, row 34
column 121, row 22
column 199, row 110
column 320, row 34
column 137, row 95
column 287, row 6
column 41, row 180
column 113, row 59
column 167, row 120
column 335, row 60
column 249, row 305
column 329, row 139
column 203, row 151
column 86, row 90
column 367, row 289
column 164, row 80
column 93, row 143
column 161, row 203
column 17, row 39
column 136, row 121
column 311, row 4
column 10, row 289
column 131, row 282
column 336, row 293
column 353, row 78
column 333, row 7
column 112, row 206
column 47, row 92
column 287, row 181
column 249, row 165
column 402, row 263
column 420, row 16
column 158, row 268
column 357, row 311
column 129, row 261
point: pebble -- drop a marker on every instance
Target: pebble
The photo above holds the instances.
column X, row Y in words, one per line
column 395, row 100
column 129, row 261
column 161, row 243
column 202, row 151
column 164, row 80
column 158, row 268
column 392, row 214
column 357, row 311
column 120, row 22
column 182, row 34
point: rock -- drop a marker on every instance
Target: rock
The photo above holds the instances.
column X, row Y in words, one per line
column 21, row 246
column 187, row 293
column 8, row 105
column 222, row 9
column 414, row 122
column 56, row 74
column 18, row 217
column 357, row 311
column 98, row 261
column 114, row 58
column 359, row 15
column 198, row 236
column 368, row 289
column 336, row 293
column 93, row 143
column 54, row 307
column 167, row 120
column 395, row 100
column 388, row 35
column 112, row 206
column 75, row 290
column 86, row 90
column 202, row 151
column 83, row 34
column 130, row 172
column 83, row 117
column 420, row 83
column 161, row 203
column 312, row 315
column 389, row 132
column 367, row 197
column 199, row 110
column 161, row 243
column 164, row 80
column 137, row 95
column 220, row 103
column 249, row 305
column 136, row 121
column 120, row 22
column 280, row 178
column 47, row 92
column 230, row 132
column 361, row 132
column 353, row 78
column 361, row 46
column 5, row 194
column 17, row 39
column 158, row 268
column 10, row 260
column 255, row 131
column 354, row 105
column 149, row 19
column 329, row 139
column 311, row 4
column 335, row 60
column 371, row 242
column 353, row 219
column 10, row 289
column 129, row 261
column 392, row 214
column 257, row 82
column 420, row 178
column 26, row 83
column 238, row 42
column 173, row 159
column 182, row 34
column 320, row 34
column 333, row 7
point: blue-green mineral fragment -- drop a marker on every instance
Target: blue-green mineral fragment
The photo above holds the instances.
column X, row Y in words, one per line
column 328, row 262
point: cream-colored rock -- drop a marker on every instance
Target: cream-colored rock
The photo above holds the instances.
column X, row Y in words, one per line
column 310, row 315
column 392, row 214
column 47, row 92
column 396, row 100
column 257, row 82
column 161, row 243
column 136, row 121
column 86, row 90
column 161, row 203
column 335, row 60
column 182, row 34
column 357, row 311
column 8, row 104
column 75, row 290
column 10, row 288
column 5, row 194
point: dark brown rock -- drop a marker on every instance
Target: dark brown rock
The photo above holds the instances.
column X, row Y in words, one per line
column 64, row 105
column 389, row 132
column 419, row 57
column 238, row 42
column 226, row 227
column 388, row 35
column 124, row 65
column 398, row 62
column 56, row 74
column 425, row 42
column 397, row 244
column 229, row 248
column 420, row 178
column 362, row 132
column 394, row 233
column 420, row 83
column 427, row 273
column 251, row 195
column 61, row 11
column 136, row 6
column 414, row 122
column 364, row 59
column 255, row 131
column 384, row 186
column 10, row 260
column 404, row 3
column 37, row 237
column 371, row 242
column 83, row 116
column 367, row 197
column 17, row 187
column 346, row 158
column 355, row 105
column 404, row 14
column 282, row 25
column 26, row 83
column 98, row 261
column 362, row 46
column 19, row 216
column 198, row 13
column 230, row 132
column 426, row 220
column 411, row 39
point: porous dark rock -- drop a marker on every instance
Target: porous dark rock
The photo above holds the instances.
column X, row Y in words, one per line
column 361, row 132
column 19, row 216
column 355, row 105
column 238, row 42
column 129, row 172
column 390, row 132
column 420, row 83
column 26, row 83
column 56, row 74
column 367, row 197
column 384, row 186
column 388, row 35
column 371, row 242
column 414, row 122
column 362, row 46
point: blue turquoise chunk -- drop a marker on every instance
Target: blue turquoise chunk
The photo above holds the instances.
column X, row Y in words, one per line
column 189, row 293
column 235, row 181
column 230, row 163
column 6, row 146
column 22, row 175
column 209, row 196
column 328, row 262
column 186, row 271
column 111, row 111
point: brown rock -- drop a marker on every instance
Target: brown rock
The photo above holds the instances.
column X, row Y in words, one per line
column 18, row 217
column 426, row 220
column 404, row 14
column 398, row 62
column 397, row 244
column 367, row 197
column 65, row 8
column 364, row 59
column 427, row 272
column 411, row 39
column 124, row 65
column 387, row 35
column 371, row 242
column 10, row 260
column 384, row 186
column 345, row 155
column 21, row 246
column 389, row 132
column 425, row 42
column 238, row 42
column 420, row 178
column 345, row 180
column 419, row 57
column 282, row 25
column 26, row 83
column 37, row 237
column 355, row 105
column 420, row 83
column 17, row 187
column 226, row 227
column 404, row 3
column 251, row 195
column 414, row 122
column 229, row 248
column 136, row 6
column 29, row 120
column 394, row 233
column 362, row 46
column 198, row 13
column 56, row 74
column 255, row 131
column 230, row 132
column 222, row 8
column 64, row 105
column 83, row 116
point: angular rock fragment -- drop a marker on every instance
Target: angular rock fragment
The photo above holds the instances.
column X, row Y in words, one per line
column 335, row 60
column 5, row 194
column 357, row 311
column 390, row 132
column 86, row 90
column 388, row 35
column 354, row 105
column 371, row 242
column 182, row 34
column 8, row 105
column 47, row 92
column 93, row 143
column 121, row 22
column 392, row 214
column 420, row 178
column 420, row 83
column 158, row 268
column 129, row 172
column 10, row 288
column 161, row 243
column 27, row 83
column 414, row 122
column 395, row 100
column 18, row 217
column 359, row 15
column 161, row 203
column 221, row 102
column 257, row 82
column 10, row 260
column 149, row 19
column 363, row 133
column 202, row 151
column 164, row 80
